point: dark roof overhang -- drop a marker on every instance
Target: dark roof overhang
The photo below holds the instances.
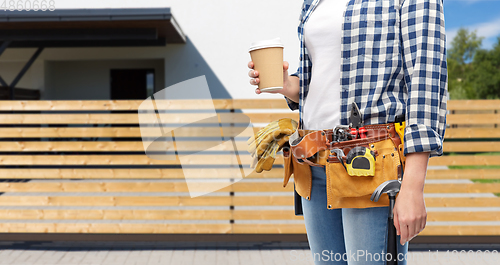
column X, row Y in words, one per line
column 90, row 28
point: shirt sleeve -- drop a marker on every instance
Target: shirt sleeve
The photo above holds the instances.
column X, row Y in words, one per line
column 425, row 69
column 291, row 104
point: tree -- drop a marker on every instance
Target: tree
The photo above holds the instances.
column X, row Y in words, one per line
column 485, row 77
column 460, row 56
column 473, row 72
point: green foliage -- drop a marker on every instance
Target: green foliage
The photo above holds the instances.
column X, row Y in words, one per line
column 486, row 181
column 473, row 72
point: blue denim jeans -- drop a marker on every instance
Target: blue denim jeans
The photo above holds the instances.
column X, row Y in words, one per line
column 348, row 235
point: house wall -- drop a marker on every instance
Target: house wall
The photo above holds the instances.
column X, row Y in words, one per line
column 219, row 33
column 67, row 80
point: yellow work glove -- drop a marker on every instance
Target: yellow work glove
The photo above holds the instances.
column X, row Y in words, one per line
column 268, row 141
column 273, row 131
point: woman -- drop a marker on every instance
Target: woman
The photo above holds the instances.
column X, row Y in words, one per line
column 388, row 56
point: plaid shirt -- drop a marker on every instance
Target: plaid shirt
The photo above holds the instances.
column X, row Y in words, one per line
column 393, row 63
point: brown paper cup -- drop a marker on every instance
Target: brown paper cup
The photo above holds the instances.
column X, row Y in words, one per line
column 267, row 57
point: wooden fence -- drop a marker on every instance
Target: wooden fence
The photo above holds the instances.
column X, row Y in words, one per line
column 80, row 167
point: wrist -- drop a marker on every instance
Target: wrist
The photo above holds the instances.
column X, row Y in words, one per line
column 415, row 172
column 290, row 88
column 412, row 187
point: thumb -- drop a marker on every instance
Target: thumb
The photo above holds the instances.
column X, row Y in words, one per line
column 286, row 65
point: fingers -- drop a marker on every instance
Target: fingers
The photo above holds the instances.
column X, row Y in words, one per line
column 424, row 222
column 412, row 229
column 254, row 81
column 401, row 229
column 420, row 225
column 409, row 228
column 286, row 65
column 396, row 221
column 404, row 233
column 253, row 73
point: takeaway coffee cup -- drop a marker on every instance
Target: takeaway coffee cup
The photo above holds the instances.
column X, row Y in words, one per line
column 267, row 57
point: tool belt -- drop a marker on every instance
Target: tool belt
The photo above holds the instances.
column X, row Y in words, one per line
column 354, row 167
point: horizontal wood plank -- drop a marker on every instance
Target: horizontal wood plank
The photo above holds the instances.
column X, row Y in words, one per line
column 119, row 118
column 213, row 228
column 463, row 216
column 207, row 186
column 209, row 201
column 74, row 146
column 473, row 119
column 114, row 201
column 278, row 103
column 123, row 105
column 463, row 188
column 476, row 104
column 144, row 186
column 70, row 214
column 463, row 174
column 114, row 228
column 428, row 231
column 472, row 230
column 144, row 160
column 471, row 133
column 117, row 132
column 128, row 173
column 471, row 146
column 174, row 173
column 465, row 160
column 200, row 160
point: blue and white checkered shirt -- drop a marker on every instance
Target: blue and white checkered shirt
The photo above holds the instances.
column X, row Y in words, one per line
column 393, row 63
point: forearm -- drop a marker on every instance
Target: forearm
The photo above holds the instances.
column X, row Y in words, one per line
column 415, row 171
column 292, row 88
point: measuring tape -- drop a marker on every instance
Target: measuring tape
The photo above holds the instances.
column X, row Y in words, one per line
column 360, row 161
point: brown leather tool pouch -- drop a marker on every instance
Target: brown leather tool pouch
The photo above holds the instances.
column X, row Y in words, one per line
column 287, row 157
column 341, row 184
column 301, row 174
column 314, row 149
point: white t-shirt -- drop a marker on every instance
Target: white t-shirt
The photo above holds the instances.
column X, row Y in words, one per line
column 322, row 35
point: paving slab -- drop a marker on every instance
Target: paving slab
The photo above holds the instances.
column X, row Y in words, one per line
column 218, row 253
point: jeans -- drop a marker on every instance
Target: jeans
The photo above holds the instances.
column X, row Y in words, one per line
column 348, row 235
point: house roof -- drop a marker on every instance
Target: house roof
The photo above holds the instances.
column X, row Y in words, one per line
column 90, row 27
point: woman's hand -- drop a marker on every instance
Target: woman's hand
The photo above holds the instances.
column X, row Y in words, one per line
column 255, row 78
column 291, row 84
column 410, row 215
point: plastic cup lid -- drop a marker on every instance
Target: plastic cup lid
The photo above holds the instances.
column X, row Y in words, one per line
column 266, row 44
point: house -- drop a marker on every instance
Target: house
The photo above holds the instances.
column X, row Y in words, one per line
column 92, row 54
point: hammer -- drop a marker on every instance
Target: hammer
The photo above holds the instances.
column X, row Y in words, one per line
column 391, row 187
